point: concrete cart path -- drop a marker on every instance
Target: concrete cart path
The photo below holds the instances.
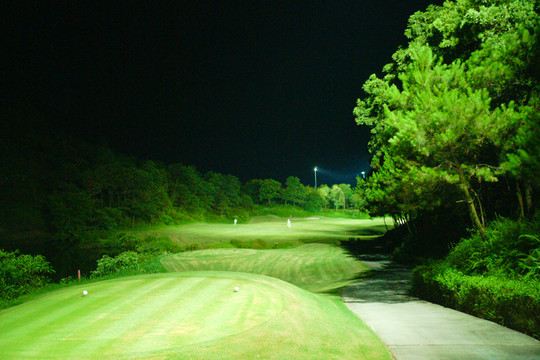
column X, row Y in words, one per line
column 416, row 329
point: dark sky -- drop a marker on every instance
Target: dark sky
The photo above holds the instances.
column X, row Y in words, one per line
column 259, row 89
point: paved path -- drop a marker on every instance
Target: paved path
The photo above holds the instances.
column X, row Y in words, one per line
column 416, row 329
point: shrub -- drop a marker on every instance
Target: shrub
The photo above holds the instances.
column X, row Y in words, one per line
column 191, row 247
column 126, row 261
column 250, row 244
column 159, row 245
column 21, row 273
column 283, row 211
column 512, row 303
column 512, row 249
column 283, row 245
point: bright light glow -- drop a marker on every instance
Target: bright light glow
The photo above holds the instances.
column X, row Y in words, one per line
column 315, row 168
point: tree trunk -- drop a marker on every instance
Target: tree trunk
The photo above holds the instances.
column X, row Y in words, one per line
column 520, row 200
column 529, row 198
column 466, row 188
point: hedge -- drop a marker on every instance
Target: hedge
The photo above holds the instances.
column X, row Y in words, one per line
column 511, row 303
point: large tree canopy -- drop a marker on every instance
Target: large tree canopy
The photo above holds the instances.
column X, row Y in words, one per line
column 458, row 106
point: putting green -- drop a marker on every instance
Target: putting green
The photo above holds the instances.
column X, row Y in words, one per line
column 195, row 315
column 314, row 267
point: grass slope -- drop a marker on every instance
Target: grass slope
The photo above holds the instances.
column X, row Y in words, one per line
column 192, row 315
column 314, row 267
column 272, row 230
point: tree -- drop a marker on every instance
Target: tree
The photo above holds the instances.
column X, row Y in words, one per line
column 358, row 198
column 270, row 190
column 347, row 193
column 337, row 196
column 313, row 199
column 294, row 191
column 324, row 193
column 450, row 109
column 225, row 190
column 444, row 129
column 252, row 188
column 188, row 189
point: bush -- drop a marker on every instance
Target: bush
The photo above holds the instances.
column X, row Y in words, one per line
column 512, row 249
column 280, row 210
column 159, row 245
column 126, row 261
column 191, row 247
column 21, row 273
column 497, row 279
column 250, row 244
column 283, row 245
column 512, row 303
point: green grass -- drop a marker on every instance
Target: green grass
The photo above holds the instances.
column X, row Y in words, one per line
column 192, row 312
column 190, row 315
column 272, row 229
column 314, row 267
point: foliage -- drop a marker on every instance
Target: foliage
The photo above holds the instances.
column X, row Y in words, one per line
column 497, row 279
column 126, row 261
column 270, row 190
column 512, row 303
column 455, row 118
column 324, row 193
column 512, row 250
column 250, row 244
column 283, row 211
column 294, row 191
column 313, row 202
column 22, row 273
column 337, row 196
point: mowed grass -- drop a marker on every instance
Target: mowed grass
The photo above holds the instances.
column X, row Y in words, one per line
column 272, row 229
column 314, row 267
column 193, row 312
column 188, row 315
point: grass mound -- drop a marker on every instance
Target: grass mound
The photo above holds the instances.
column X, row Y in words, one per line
column 194, row 315
column 314, row 267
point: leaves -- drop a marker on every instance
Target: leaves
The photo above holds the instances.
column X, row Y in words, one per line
column 459, row 105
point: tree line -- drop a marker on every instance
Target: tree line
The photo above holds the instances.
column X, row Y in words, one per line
column 61, row 197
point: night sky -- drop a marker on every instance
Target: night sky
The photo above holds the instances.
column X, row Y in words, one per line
column 259, row 89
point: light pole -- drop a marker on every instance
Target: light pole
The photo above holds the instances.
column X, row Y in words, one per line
column 363, row 174
column 315, row 171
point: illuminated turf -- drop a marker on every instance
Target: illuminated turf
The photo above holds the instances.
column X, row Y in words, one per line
column 195, row 315
column 314, row 267
column 274, row 229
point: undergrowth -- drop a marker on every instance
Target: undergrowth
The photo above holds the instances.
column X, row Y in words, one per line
column 497, row 279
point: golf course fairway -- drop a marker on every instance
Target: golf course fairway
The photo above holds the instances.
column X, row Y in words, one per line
column 186, row 315
column 273, row 229
column 313, row 267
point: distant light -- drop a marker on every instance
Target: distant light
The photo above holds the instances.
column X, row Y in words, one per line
column 315, row 168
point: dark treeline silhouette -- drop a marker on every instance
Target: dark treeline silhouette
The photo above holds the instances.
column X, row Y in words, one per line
column 68, row 199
